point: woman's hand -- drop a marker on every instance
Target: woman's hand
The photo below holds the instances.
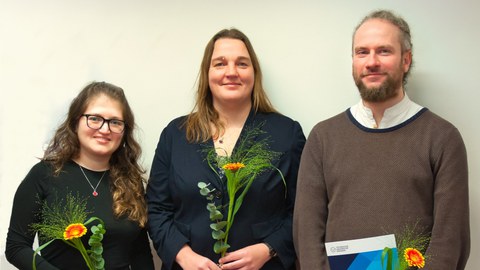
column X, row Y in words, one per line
column 190, row 260
column 248, row 258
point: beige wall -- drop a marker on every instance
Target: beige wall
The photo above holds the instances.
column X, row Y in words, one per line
column 50, row 49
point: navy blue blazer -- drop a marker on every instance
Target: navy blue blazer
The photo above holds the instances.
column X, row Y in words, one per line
column 177, row 212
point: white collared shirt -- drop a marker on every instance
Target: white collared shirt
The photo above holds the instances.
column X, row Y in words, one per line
column 392, row 116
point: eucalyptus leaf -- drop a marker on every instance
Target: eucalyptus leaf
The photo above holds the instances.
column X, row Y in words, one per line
column 96, row 237
column 93, row 242
column 220, row 247
column 95, row 229
column 215, row 215
column 218, row 226
column 97, row 250
column 204, row 191
column 100, row 264
column 217, row 235
column 96, row 257
column 211, row 207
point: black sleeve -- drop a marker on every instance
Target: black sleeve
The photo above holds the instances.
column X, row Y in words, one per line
column 20, row 237
column 282, row 240
column 141, row 253
column 166, row 238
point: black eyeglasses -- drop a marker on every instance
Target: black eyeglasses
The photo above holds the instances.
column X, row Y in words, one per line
column 96, row 122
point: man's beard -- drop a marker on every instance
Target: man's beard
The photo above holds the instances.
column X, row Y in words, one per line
column 386, row 91
column 380, row 93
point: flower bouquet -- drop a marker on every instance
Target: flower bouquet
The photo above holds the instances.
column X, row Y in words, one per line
column 249, row 159
column 67, row 222
column 411, row 246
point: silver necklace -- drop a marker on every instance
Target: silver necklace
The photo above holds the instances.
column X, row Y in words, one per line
column 94, row 193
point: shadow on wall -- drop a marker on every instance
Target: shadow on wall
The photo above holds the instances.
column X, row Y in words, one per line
column 4, row 265
column 430, row 91
column 156, row 259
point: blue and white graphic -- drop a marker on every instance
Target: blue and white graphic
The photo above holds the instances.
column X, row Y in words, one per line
column 360, row 254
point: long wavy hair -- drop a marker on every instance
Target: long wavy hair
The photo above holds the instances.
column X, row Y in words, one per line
column 199, row 121
column 126, row 175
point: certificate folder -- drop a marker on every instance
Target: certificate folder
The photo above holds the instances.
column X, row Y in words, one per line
column 360, row 254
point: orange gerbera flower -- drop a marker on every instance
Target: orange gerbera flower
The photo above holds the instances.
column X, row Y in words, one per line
column 75, row 230
column 414, row 257
column 233, row 167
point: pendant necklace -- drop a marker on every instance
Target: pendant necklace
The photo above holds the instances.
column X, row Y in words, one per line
column 94, row 193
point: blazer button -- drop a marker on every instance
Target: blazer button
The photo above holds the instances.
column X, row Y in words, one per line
column 218, row 194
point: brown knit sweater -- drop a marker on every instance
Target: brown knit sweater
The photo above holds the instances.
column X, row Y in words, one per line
column 356, row 182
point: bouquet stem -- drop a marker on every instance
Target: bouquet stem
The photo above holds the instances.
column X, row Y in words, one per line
column 78, row 244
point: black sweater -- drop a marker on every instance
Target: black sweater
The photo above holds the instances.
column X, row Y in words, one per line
column 125, row 243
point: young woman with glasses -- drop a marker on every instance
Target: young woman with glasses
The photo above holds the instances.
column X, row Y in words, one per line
column 93, row 154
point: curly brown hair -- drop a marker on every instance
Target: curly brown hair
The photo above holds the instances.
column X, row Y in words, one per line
column 126, row 175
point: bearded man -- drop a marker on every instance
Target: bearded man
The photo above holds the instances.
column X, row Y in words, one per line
column 385, row 163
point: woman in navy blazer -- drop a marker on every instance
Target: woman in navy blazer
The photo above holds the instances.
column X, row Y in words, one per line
column 230, row 98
